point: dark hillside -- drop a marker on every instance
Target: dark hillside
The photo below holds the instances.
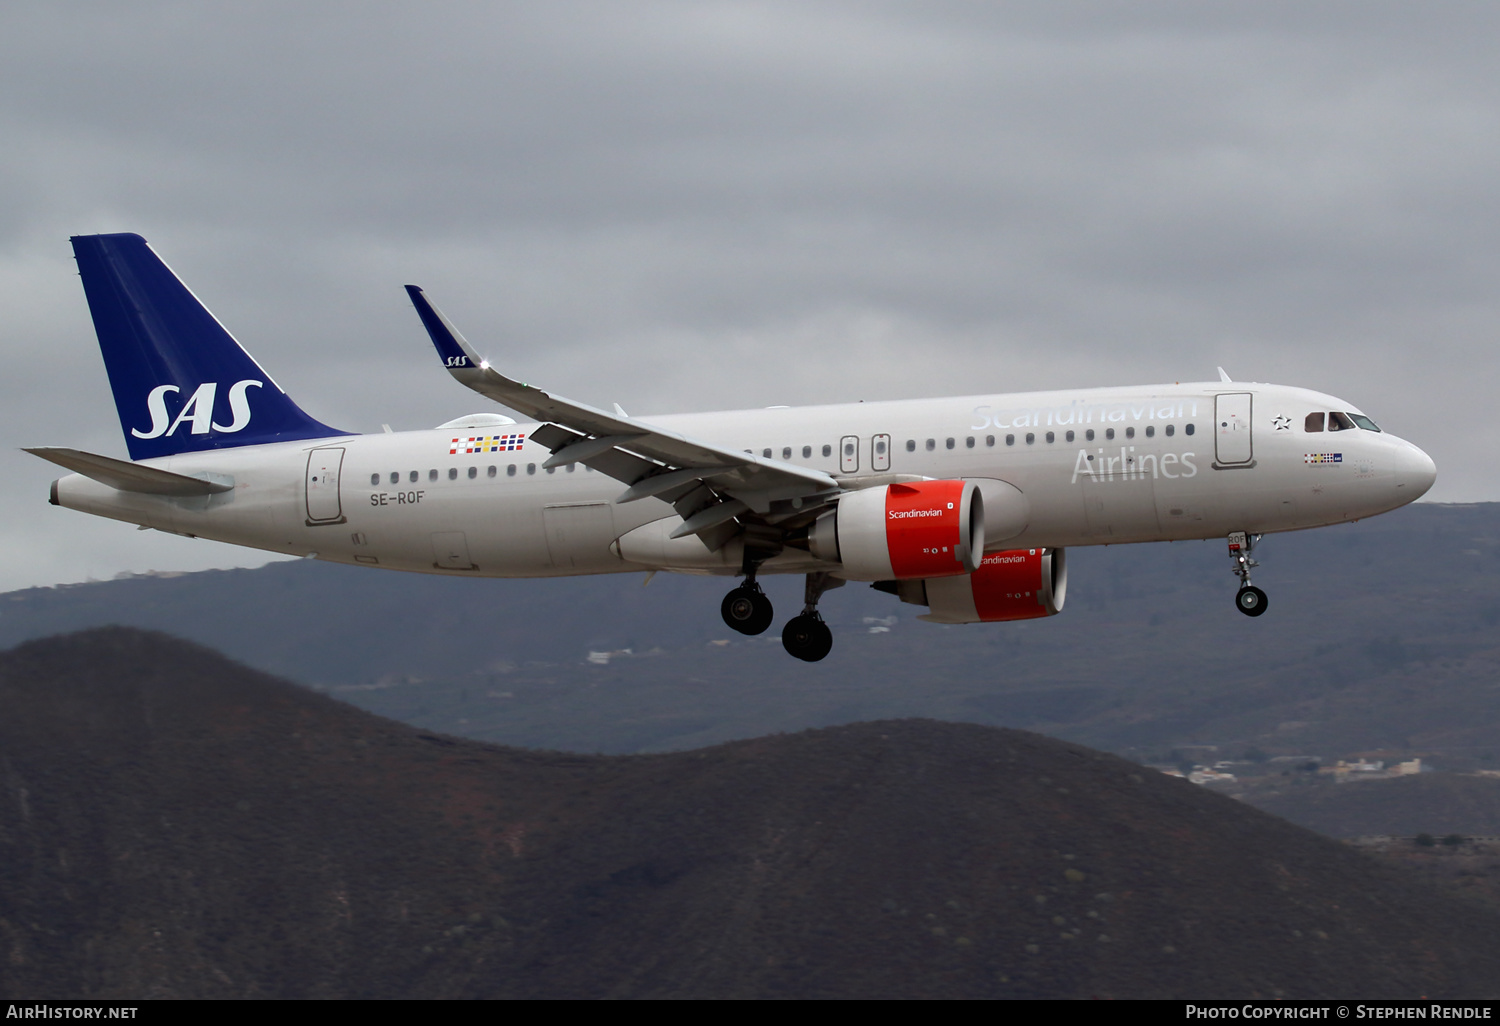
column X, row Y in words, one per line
column 173, row 824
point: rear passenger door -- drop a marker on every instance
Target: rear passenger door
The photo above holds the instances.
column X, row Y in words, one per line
column 322, row 486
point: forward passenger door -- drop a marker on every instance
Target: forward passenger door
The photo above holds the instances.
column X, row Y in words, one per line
column 1232, row 428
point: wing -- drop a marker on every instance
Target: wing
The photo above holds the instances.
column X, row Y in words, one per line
column 718, row 492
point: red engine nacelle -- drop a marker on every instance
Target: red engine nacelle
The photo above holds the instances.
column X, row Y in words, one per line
column 1022, row 584
column 901, row 532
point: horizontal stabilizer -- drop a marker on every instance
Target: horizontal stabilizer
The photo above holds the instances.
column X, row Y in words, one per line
column 129, row 477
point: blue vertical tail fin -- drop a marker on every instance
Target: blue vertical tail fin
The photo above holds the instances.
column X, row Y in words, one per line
column 181, row 382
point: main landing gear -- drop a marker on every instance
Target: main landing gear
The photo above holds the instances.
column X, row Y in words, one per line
column 747, row 609
column 806, row 636
column 1249, row 600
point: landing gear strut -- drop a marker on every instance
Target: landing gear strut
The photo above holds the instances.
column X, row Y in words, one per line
column 1249, row 600
column 746, row 608
column 806, row 636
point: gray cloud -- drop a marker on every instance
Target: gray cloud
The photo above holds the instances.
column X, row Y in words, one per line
column 709, row 205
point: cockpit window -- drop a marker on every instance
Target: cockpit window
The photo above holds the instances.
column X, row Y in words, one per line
column 1364, row 422
column 1314, row 422
column 1340, row 422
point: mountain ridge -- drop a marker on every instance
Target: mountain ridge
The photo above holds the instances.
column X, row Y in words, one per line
column 173, row 824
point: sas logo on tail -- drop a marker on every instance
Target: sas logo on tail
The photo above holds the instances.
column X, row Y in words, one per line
column 198, row 411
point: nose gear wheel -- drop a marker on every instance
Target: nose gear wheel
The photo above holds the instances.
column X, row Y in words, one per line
column 1250, row 600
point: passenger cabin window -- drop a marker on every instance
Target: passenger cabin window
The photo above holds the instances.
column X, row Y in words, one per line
column 1089, row 435
column 491, row 472
column 473, row 473
column 1069, row 436
column 452, row 473
column 911, row 445
column 412, row 477
column 395, row 477
column 989, row 440
column 807, row 452
column 1030, row 438
column 827, row 450
column 1109, row 434
column 786, row 452
column 1314, row 422
column 766, row 453
column 1171, row 430
column 1150, row 431
column 931, row 444
column 1010, row 439
column 949, row 443
column 1340, row 422
column 510, row 471
column 1051, row 437
column 1188, row 429
column 1130, row 432
column 969, row 442
column 432, row 475
column 374, row 479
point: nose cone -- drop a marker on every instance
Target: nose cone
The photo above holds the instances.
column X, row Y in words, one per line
column 1415, row 473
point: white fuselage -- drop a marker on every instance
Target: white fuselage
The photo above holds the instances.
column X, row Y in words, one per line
column 1164, row 462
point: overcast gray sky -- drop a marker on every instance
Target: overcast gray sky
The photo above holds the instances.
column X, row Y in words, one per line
column 707, row 205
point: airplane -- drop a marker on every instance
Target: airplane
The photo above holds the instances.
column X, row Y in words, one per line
column 965, row 505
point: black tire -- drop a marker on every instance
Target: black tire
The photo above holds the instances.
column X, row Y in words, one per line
column 1251, row 601
column 807, row 637
column 747, row 610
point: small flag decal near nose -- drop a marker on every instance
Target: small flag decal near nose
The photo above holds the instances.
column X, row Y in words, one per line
column 1323, row 457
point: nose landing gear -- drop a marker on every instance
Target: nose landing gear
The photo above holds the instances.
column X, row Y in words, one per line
column 1249, row 600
